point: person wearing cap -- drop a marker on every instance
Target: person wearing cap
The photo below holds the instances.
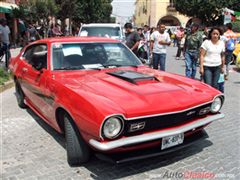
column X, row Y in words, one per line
column 193, row 42
column 5, row 39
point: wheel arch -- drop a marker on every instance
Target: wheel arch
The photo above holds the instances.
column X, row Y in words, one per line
column 59, row 114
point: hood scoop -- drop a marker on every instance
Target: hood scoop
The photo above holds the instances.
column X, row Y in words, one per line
column 133, row 76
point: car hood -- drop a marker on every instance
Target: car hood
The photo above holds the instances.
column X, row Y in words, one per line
column 141, row 91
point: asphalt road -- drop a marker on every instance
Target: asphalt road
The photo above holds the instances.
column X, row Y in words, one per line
column 30, row 149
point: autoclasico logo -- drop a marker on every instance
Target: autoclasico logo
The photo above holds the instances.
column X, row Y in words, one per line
column 189, row 175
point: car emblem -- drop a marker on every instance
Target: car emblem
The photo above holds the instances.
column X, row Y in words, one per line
column 190, row 113
column 137, row 126
column 204, row 111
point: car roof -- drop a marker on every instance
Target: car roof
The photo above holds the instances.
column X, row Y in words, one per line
column 101, row 25
column 76, row 39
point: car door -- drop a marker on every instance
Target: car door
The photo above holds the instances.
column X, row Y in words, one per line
column 33, row 81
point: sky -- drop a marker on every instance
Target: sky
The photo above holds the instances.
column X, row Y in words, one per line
column 123, row 8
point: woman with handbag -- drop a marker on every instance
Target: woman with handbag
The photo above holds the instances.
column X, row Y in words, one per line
column 212, row 57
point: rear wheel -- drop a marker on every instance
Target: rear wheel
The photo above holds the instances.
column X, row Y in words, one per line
column 78, row 151
column 20, row 95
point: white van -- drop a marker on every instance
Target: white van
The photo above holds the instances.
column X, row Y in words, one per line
column 110, row 30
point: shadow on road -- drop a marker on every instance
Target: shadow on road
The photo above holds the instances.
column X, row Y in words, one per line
column 57, row 136
column 104, row 170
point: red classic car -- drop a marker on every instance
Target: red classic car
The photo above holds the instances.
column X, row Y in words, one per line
column 104, row 100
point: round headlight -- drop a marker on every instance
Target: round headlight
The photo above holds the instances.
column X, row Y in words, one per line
column 112, row 127
column 216, row 105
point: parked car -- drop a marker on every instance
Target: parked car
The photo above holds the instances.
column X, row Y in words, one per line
column 109, row 30
column 104, row 100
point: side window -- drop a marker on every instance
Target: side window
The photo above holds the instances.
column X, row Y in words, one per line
column 36, row 54
column 28, row 54
column 39, row 57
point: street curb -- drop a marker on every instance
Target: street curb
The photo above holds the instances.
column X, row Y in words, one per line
column 7, row 85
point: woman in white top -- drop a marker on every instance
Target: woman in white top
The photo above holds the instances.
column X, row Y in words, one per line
column 212, row 57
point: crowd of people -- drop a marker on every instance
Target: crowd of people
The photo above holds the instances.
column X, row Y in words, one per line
column 210, row 48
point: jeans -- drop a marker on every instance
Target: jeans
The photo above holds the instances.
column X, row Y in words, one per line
column 179, row 50
column 191, row 58
column 211, row 75
column 6, row 50
column 228, row 59
column 221, row 87
column 159, row 59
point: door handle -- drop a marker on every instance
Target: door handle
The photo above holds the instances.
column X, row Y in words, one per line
column 24, row 69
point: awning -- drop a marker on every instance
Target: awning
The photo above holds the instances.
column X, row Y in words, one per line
column 7, row 7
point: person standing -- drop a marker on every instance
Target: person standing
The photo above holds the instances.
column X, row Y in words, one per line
column 146, row 34
column 230, row 38
column 179, row 36
column 132, row 38
column 212, row 58
column 56, row 30
column 5, row 40
column 159, row 41
column 141, row 47
column 32, row 33
column 192, row 44
column 205, row 33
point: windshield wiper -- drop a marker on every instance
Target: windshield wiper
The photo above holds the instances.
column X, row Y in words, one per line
column 111, row 65
column 95, row 68
column 69, row 68
column 118, row 65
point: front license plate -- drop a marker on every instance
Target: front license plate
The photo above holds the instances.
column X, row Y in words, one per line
column 173, row 140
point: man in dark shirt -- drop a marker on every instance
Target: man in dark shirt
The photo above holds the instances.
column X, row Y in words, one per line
column 132, row 38
column 191, row 48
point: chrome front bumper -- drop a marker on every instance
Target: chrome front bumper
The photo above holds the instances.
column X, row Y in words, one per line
column 152, row 136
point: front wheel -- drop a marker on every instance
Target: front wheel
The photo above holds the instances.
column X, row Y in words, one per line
column 78, row 151
column 20, row 95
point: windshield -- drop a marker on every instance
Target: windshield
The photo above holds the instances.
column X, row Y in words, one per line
column 70, row 56
column 101, row 31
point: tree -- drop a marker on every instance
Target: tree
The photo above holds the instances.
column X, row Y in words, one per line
column 35, row 10
column 81, row 11
column 66, row 10
column 32, row 11
column 209, row 11
column 94, row 11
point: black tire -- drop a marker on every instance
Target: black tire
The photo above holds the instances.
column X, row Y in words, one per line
column 78, row 151
column 20, row 95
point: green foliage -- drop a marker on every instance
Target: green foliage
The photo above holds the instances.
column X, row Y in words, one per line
column 209, row 11
column 93, row 11
column 80, row 11
column 236, row 26
column 35, row 10
column 4, row 76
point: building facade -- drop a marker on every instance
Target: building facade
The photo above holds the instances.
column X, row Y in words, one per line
column 152, row 12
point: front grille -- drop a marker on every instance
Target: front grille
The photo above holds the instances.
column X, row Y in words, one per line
column 164, row 121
